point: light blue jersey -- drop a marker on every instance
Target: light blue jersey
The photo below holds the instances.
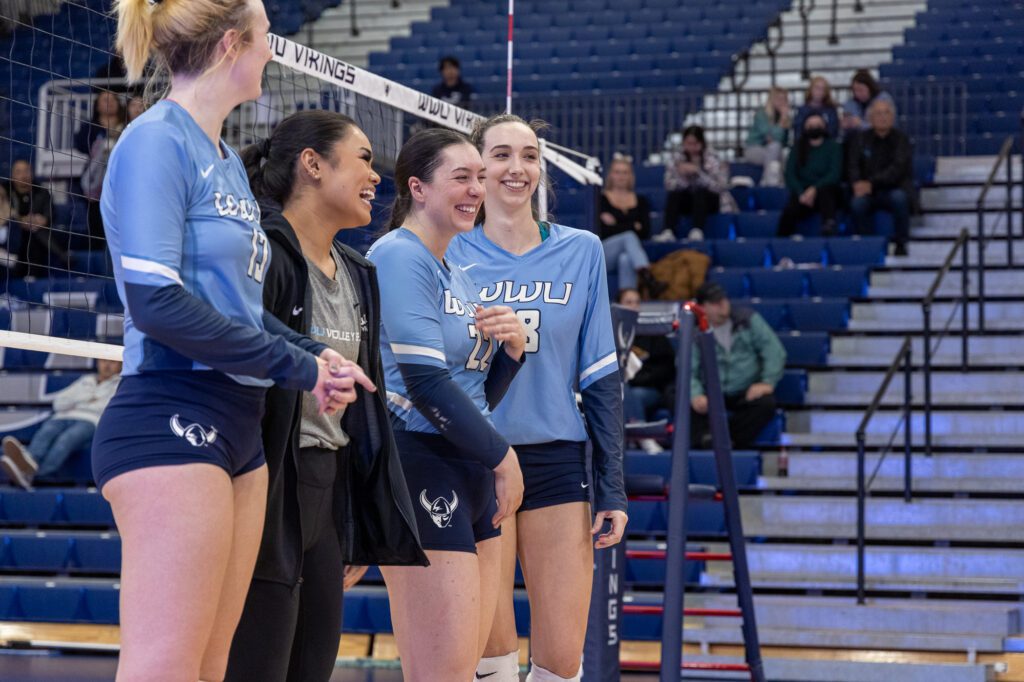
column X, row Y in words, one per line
column 427, row 318
column 177, row 213
column 559, row 291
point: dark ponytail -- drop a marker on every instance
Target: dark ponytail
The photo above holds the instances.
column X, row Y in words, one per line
column 270, row 164
column 420, row 156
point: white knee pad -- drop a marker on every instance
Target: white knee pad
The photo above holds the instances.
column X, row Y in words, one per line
column 499, row 668
column 539, row 674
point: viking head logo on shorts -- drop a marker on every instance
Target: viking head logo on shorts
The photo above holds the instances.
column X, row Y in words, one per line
column 195, row 434
column 440, row 510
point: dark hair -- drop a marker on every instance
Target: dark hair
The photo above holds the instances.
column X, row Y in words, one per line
column 864, row 77
column 448, row 60
column 697, row 132
column 122, row 110
column 270, row 164
column 803, row 145
column 480, row 132
column 420, row 156
column 623, row 292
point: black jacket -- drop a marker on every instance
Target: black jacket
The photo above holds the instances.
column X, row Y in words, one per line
column 372, row 508
column 886, row 162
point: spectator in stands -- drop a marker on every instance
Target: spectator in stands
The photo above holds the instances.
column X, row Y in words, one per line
column 135, row 106
column 7, row 259
column 452, row 88
column 31, row 214
column 76, row 411
column 818, row 100
column 813, row 172
column 653, row 383
column 96, row 139
column 865, row 92
column 696, row 180
column 768, row 138
column 751, row 360
column 881, row 173
column 626, row 219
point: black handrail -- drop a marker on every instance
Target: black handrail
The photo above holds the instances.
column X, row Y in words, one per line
column 805, row 9
column 833, row 36
column 904, row 355
column 1004, row 156
column 771, row 46
column 926, row 309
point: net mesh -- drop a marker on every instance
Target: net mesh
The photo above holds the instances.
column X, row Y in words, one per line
column 63, row 103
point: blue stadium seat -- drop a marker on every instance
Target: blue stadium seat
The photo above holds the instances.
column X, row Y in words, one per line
column 96, row 554
column 31, row 553
column 753, row 171
column 792, row 388
column 746, row 467
column 846, row 282
column 720, row 226
column 773, row 312
column 857, row 251
column 777, row 283
column 771, row 198
column 749, row 253
column 805, row 250
column 87, row 508
column 733, row 281
column 18, row 507
column 819, row 314
column 759, row 225
column 805, row 348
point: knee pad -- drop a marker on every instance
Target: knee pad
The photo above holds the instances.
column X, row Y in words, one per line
column 499, row 668
column 539, row 674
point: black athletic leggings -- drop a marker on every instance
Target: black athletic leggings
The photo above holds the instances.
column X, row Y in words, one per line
column 291, row 633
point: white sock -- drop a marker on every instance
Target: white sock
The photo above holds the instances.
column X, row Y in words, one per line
column 539, row 674
column 499, row 668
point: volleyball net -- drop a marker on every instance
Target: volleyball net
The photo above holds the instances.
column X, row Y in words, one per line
column 64, row 101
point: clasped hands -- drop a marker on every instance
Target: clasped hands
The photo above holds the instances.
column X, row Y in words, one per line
column 336, row 382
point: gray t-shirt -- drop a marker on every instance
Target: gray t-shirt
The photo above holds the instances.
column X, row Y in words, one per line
column 723, row 334
column 335, row 322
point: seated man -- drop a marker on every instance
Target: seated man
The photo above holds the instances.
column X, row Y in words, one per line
column 881, row 171
column 76, row 411
column 751, row 360
column 452, row 88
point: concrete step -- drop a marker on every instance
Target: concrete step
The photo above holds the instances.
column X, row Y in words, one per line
column 886, row 568
column 824, row 61
column 878, row 350
column 945, row 422
column 377, row 22
column 824, row 484
column 946, row 197
column 820, row 45
column 887, row 518
column 807, row 670
column 939, row 467
column 948, row 388
column 997, row 282
column 877, row 439
column 897, row 316
column 970, row 168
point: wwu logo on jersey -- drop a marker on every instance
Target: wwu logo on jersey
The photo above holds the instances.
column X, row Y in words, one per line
column 453, row 306
column 508, row 291
column 228, row 205
column 196, row 435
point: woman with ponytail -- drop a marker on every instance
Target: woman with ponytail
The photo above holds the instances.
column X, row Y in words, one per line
column 336, row 494
column 178, row 452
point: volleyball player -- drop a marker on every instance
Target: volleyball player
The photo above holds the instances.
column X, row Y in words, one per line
column 315, row 176
column 177, row 451
column 554, row 277
column 447, row 361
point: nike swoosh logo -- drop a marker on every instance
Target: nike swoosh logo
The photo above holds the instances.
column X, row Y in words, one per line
column 296, row 310
column 480, row 677
column 464, row 268
column 206, row 172
column 584, row 485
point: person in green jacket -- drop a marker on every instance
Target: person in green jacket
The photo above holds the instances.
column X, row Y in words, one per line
column 751, row 360
column 813, row 172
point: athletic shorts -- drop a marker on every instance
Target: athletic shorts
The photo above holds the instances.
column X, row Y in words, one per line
column 553, row 473
column 452, row 494
column 186, row 417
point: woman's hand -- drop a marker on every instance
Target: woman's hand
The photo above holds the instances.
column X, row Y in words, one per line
column 508, row 487
column 336, row 382
column 501, row 323
column 618, row 519
column 353, row 574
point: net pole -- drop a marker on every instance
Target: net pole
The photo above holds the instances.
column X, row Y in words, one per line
column 508, row 79
column 542, row 197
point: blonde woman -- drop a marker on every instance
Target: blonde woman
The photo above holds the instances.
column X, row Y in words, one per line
column 768, row 138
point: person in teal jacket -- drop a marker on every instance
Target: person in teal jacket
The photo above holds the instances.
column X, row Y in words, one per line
column 751, row 360
column 813, row 172
column 768, row 138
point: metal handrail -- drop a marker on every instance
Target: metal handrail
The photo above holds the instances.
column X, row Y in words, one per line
column 904, row 355
column 926, row 309
column 1004, row 156
column 805, row 9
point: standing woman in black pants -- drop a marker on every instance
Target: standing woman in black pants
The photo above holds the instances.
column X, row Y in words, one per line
column 337, row 495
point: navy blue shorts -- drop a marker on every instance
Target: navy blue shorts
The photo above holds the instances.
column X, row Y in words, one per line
column 553, row 473
column 187, row 417
column 453, row 494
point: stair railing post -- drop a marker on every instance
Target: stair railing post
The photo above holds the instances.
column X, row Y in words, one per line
column 861, row 495
column 805, row 9
column 981, row 265
column 908, row 411
column 965, row 301
column 1009, row 208
column 352, row 11
column 833, row 36
column 926, row 309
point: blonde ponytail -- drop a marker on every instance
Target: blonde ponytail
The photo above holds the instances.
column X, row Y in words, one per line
column 135, row 34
